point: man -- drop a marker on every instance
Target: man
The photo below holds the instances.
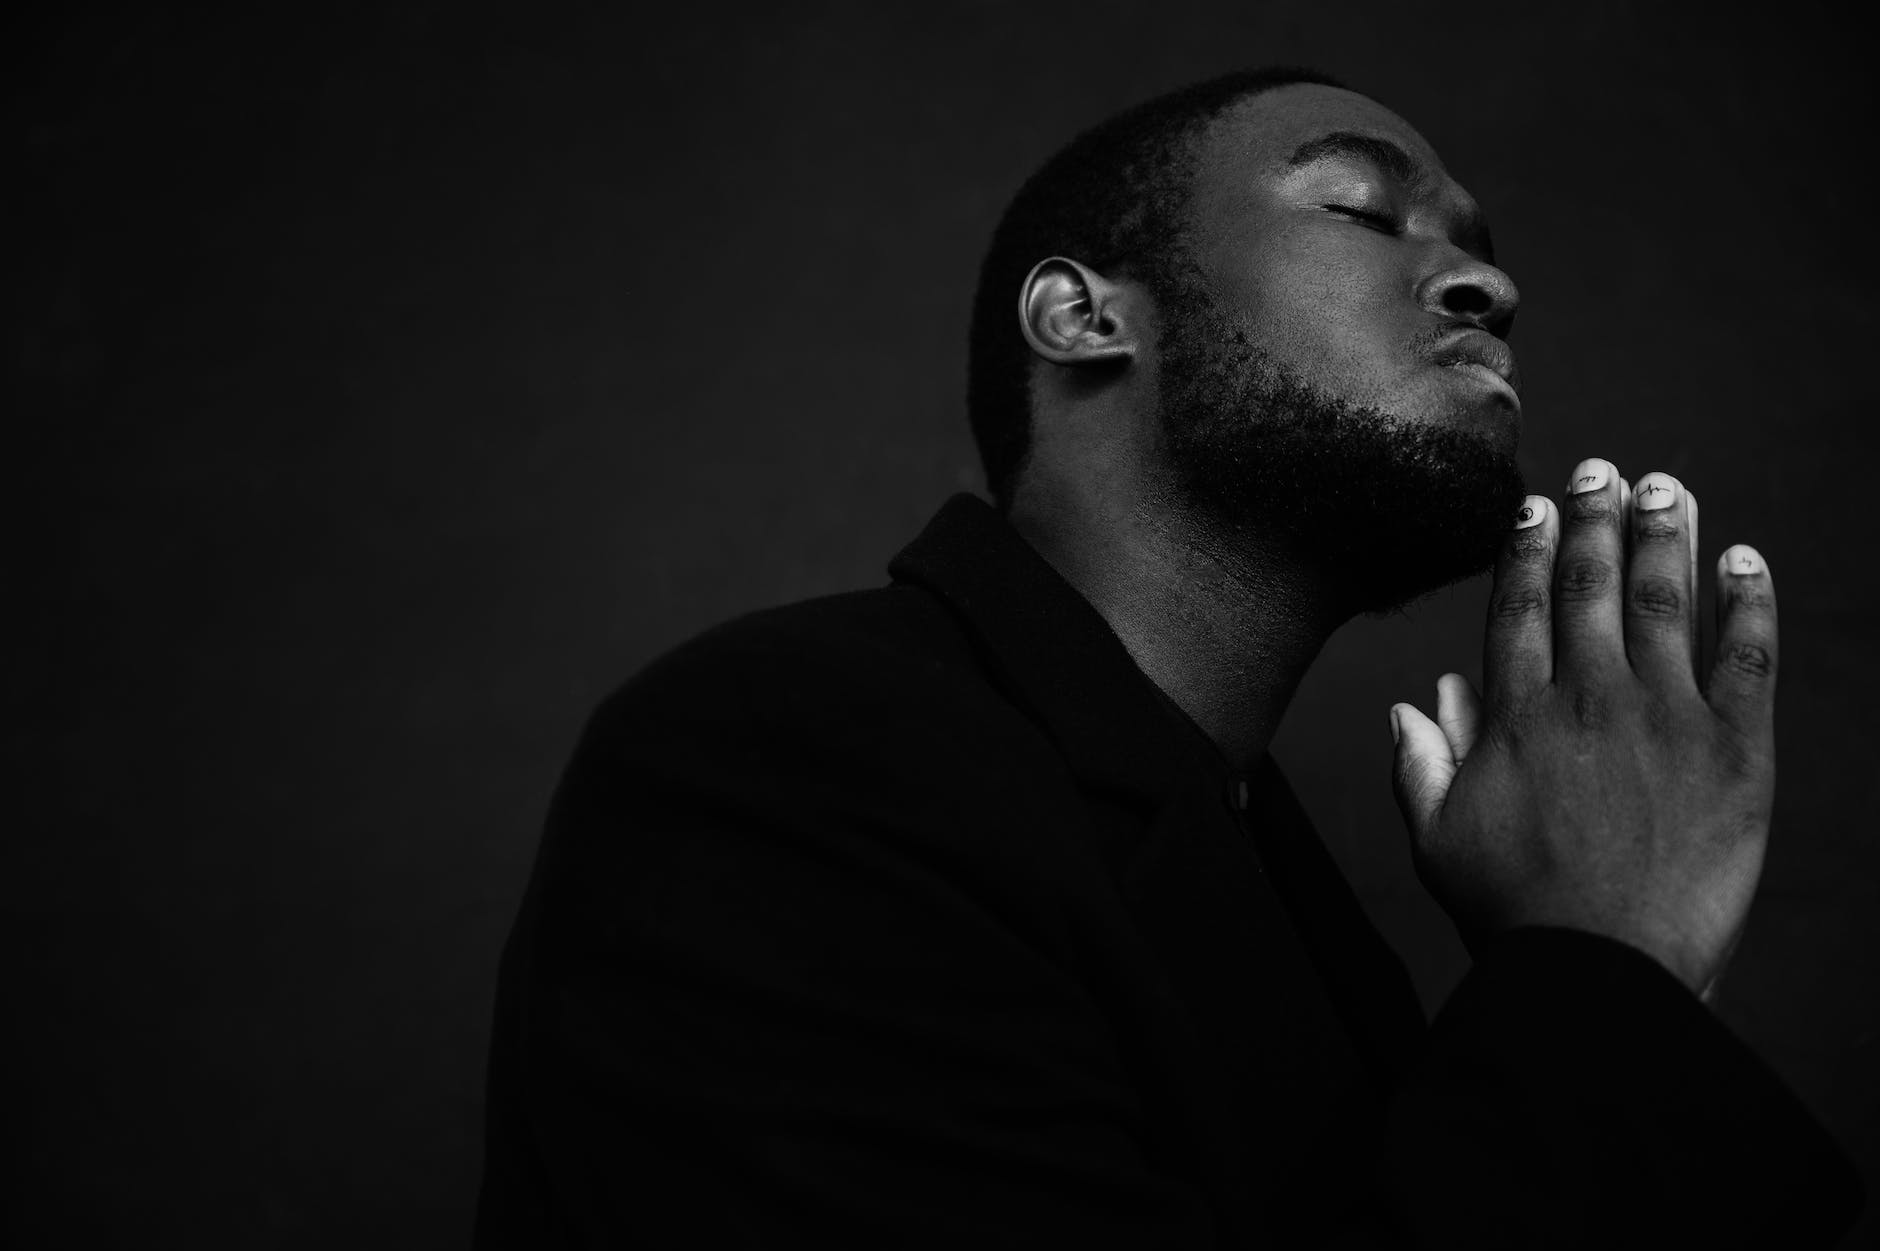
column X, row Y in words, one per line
column 972, row 911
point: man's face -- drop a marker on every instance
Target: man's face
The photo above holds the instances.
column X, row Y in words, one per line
column 1332, row 371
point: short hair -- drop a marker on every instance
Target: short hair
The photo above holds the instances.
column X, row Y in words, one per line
column 1114, row 199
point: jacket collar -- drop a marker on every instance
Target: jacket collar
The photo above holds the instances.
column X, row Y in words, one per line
column 1054, row 653
column 1202, row 886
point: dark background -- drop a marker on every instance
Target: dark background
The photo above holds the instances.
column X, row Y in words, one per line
column 394, row 381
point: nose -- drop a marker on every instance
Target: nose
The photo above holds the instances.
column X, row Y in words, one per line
column 1475, row 290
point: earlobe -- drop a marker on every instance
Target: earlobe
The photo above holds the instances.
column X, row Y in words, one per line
column 1071, row 315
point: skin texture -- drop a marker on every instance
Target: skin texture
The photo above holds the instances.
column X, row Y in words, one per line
column 1291, row 440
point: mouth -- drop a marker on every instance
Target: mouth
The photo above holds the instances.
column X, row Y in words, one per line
column 1487, row 377
column 1480, row 356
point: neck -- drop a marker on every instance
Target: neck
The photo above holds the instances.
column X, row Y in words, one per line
column 1225, row 626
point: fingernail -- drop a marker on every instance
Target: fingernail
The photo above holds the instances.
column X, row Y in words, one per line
column 1533, row 512
column 1743, row 560
column 1655, row 490
column 1588, row 475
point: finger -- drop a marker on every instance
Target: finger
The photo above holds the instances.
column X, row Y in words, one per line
column 1518, row 641
column 1589, row 633
column 1421, row 770
column 1742, row 687
column 1697, row 631
column 1459, row 713
column 1658, row 587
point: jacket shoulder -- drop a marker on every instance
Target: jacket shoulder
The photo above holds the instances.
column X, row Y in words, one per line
column 898, row 628
column 855, row 729
column 884, row 670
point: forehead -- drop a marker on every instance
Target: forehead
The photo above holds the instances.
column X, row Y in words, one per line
column 1256, row 136
column 1251, row 144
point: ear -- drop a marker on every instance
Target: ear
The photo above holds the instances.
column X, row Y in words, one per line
column 1073, row 315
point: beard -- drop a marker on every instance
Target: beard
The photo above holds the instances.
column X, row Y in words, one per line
column 1383, row 509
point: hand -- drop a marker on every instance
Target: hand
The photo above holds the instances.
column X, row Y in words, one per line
column 1595, row 784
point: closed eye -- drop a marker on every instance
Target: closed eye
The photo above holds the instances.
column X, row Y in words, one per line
column 1368, row 218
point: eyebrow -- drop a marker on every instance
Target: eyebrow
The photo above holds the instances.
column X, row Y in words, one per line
column 1382, row 153
column 1399, row 164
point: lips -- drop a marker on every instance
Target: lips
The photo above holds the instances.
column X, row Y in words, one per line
column 1478, row 347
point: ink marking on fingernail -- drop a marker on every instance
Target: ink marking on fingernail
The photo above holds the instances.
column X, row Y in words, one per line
column 1647, row 496
column 1588, row 475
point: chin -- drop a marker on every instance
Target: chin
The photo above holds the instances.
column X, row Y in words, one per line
column 1462, row 402
column 1391, row 497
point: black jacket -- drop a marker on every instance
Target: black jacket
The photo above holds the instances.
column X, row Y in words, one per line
column 918, row 917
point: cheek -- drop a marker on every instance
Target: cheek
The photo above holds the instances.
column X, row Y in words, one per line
column 1334, row 317
column 1349, row 275
column 1328, row 303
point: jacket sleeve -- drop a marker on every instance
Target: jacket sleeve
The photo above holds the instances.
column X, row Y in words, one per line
column 773, row 985
column 1573, row 1093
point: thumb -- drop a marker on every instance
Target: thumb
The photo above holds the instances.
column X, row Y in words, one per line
column 1424, row 766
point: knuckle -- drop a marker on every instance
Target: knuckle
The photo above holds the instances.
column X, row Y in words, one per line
column 1525, row 547
column 1656, row 596
column 1591, row 508
column 1661, row 719
column 1584, row 578
column 1750, row 593
column 1740, row 758
column 1747, row 659
column 1749, row 825
column 1591, row 711
column 1655, row 527
column 1519, row 603
column 1509, row 723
